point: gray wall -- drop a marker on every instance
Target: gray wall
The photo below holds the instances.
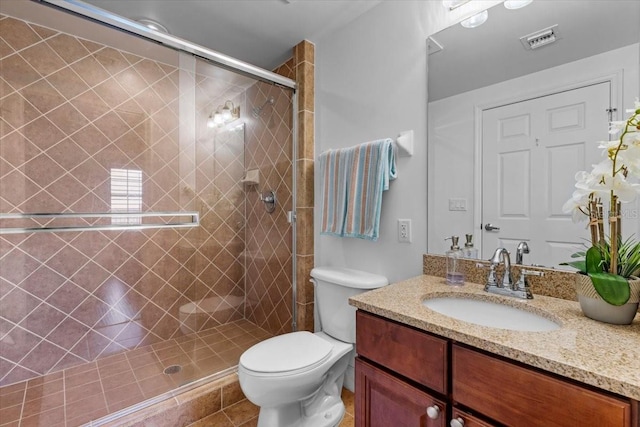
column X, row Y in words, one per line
column 371, row 83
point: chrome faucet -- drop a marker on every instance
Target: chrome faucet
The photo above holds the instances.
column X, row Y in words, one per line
column 506, row 287
column 522, row 249
column 502, row 255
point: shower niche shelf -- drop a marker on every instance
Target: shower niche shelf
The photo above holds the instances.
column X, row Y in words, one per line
column 16, row 223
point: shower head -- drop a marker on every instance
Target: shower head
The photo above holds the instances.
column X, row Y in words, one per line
column 257, row 111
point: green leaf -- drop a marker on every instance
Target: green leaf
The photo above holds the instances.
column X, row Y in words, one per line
column 612, row 288
column 593, row 261
column 580, row 265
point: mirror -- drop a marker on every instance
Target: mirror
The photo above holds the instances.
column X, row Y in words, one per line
column 472, row 72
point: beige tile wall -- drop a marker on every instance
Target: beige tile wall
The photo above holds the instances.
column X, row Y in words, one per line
column 269, row 294
column 269, row 236
column 304, row 63
column 73, row 109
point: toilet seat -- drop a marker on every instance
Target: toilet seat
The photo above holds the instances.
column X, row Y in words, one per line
column 286, row 354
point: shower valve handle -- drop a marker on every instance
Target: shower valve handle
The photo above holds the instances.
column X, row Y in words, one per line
column 269, row 199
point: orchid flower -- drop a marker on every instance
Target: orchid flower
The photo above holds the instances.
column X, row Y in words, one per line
column 607, row 262
column 616, row 173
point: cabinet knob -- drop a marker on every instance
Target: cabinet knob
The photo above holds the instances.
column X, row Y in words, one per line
column 433, row 412
column 458, row 422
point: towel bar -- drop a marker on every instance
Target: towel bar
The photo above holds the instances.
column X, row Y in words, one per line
column 404, row 142
column 193, row 222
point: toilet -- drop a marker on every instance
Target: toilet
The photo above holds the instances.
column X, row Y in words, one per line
column 296, row 378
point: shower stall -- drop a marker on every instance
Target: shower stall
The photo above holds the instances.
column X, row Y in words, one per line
column 147, row 192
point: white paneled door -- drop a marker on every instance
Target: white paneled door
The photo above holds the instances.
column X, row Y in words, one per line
column 531, row 151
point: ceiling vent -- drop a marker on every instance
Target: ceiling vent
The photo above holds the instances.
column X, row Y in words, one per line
column 541, row 38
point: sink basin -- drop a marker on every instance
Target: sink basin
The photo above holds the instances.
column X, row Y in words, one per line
column 490, row 314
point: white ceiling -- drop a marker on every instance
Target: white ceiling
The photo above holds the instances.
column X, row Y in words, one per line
column 260, row 32
column 491, row 53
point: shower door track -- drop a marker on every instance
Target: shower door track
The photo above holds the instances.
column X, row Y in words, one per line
column 100, row 15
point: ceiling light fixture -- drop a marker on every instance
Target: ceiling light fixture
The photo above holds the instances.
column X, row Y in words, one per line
column 224, row 114
column 516, row 4
column 475, row 20
column 153, row 25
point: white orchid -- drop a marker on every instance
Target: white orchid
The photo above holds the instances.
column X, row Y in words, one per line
column 630, row 158
column 616, row 127
column 614, row 176
column 575, row 206
column 607, row 262
column 626, row 191
column 608, row 145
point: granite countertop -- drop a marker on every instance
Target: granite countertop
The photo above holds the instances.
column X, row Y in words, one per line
column 602, row 355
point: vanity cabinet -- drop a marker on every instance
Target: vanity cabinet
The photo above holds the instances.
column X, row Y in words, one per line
column 402, row 373
column 384, row 400
column 403, row 350
column 515, row 395
column 460, row 418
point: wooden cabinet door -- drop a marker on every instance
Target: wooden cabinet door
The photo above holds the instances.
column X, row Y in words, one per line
column 383, row 400
column 414, row 354
column 521, row 397
column 468, row 420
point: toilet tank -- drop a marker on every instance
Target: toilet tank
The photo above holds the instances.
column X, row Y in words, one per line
column 334, row 287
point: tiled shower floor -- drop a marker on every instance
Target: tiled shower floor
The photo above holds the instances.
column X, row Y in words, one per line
column 80, row 394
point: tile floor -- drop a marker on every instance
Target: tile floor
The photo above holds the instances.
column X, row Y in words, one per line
column 245, row 414
column 349, row 418
column 77, row 395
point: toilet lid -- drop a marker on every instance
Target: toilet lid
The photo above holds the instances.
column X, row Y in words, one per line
column 288, row 352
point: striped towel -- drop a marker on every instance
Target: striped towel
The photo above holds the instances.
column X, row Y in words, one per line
column 353, row 180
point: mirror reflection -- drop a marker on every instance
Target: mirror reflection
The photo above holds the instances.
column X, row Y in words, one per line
column 516, row 107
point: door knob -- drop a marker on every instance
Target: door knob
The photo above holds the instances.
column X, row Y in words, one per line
column 433, row 412
column 457, row 422
column 490, row 227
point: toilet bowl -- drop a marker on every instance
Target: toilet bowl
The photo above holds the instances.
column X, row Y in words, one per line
column 300, row 366
column 296, row 379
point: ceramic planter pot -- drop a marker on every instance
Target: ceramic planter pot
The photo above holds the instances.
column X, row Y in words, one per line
column 594, row 307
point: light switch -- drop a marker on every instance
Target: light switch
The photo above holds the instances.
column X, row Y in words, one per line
column 457, row 204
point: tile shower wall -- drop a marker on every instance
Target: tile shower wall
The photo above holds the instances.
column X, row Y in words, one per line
column 72, row 110
column 304, row 65
column 269, row 235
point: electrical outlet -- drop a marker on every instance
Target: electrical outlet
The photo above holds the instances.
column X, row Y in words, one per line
column 457, row 204
column 404, row 230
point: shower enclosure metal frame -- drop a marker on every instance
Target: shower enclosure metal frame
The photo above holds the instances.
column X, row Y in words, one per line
column 100, row 15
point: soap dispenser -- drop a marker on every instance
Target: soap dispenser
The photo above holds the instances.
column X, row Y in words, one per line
column 454, row 255
column 469, row 251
